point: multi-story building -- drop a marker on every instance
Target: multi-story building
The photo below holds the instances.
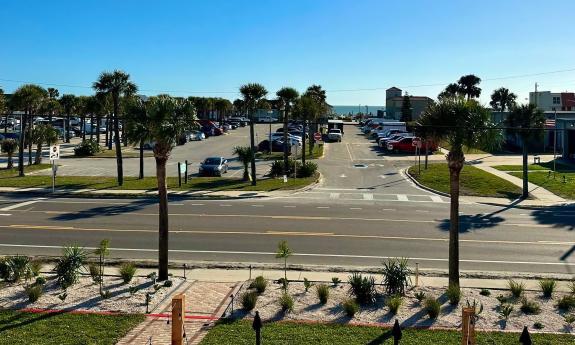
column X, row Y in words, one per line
column 553, row 101
column 394, row 102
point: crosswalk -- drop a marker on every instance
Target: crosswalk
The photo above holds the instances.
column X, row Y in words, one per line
column 366, row 195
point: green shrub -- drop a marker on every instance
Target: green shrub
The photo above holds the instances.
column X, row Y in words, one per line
column 350, row 307
column 260, row 284
column 69, row 265
column 286, row 302
column 569, row 318
column 307, row 170
column 127, row 272
column 86, row 148
column 547, row 287
column 168, row 283
column 40, row 281
column 94, row 273
column 566, row 302
column 248, row 300
column 307, row 284
column 284, row 283
column 16, row 268
column 277, row 167
column 335, row 281
column 363, row 288
column 516, row 288
column 505, row 311
column 34, row 292
column 4, row 269
column 530, row 306
column 485, row 292
column 322, row 293
column 36, row 267
column 453, row 293
column 396, row 276
column 432, row 307
column 502, row 299
column 105, row 294
column 419, row 296
column 538, row 325
column 393, row 303
column 477, row 308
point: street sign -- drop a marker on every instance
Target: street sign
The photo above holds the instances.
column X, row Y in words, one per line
column 416, row 142
column 317, row 136
column 183, row 168
column 54, row 152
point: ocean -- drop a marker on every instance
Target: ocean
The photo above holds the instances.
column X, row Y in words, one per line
column 354, row 109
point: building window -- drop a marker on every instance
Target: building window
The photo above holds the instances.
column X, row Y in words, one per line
column 556, row 100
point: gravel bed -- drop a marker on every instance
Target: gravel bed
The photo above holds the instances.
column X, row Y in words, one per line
column 411, row 312
column 85, row 295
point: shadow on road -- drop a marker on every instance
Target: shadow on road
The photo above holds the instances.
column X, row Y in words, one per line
column 109, row 210
column 468, row 223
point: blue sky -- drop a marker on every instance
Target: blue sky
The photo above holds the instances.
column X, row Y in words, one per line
column 200, row 47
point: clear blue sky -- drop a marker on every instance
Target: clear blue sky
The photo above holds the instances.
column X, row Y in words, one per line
column 217, row 45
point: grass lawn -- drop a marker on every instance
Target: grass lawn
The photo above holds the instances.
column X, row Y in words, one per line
column 554, row 185
column 466, row 149
column 27, row 168
column 126, row 153
column 535, row 167
column 473, row 181
column 316, row 153
column 279, row 333
column 17, row 328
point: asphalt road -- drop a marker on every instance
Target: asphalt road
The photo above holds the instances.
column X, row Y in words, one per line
column 355, row 220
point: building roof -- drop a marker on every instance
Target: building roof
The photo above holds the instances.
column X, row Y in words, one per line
column 393, row 89
column 412, row 98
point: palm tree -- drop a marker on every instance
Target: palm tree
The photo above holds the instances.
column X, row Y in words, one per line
column 252, row 94
column 502, row 99
column 68, row 103
column 116, row 84
column 286, row 97
column 319, row 96
column 166, row 119
column 307, row 109
column 3, row 110
column 284, row 252
column 244, row 154
column 461, row 122
column 223, row 106
column 41, row 134
column 526, row 121
column 53, row 93
column 28, row 98
column 468, row 86
column 451, row 90
column 136, row 129
column 9, row 146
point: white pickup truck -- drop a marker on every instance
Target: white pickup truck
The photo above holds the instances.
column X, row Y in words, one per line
column 334, row 134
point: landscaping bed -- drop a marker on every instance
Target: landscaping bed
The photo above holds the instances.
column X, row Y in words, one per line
column 473, row 181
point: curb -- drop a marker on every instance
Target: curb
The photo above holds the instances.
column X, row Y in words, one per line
column 406, row 173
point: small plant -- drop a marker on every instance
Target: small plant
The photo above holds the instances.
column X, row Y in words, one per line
column 40, row 281
column 248, row 300
column 68, row 266
column 432, row 307
column 94, row 273
column 322, row 293
column 133, row 289
column 284, row 283
column 168, row 283
column 36, row 267
column 569, row 319
column 393, row 303
column 350, row 307
column 547, row 287
column 284, row 252
column 307, row 284
column 505, row 311
column 63, row 296
column 17, row 268
column 286, row 302
column 453, row 293
column 419, row 296
column 86, row 148
column 34, row 292
column 157, row 287
column 485, row 292
column 105, row 294
column 502, row 299
column 516, row 288
column 478, row 308
column 335, row 281
column 566, row 302
column 530, row 307
column 396, row 276
column 127, row 272
column 538, row 325
column 260, row 284
column 363, row 288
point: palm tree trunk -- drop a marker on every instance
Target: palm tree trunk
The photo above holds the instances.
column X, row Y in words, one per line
column 311, row 140
column 83, row 128
column 141, row 175
column 38, row 158
column 21, row 146
column 455, row 163
column 30, row 127
column 303, row 144
column 286, row 167
column 91, row 127
column 10, row 162
column 117, row 144
column 525, row 172
column 98, row 119
column 67, row 129
column 253, row 150
column 108, row 126
column 163, row 217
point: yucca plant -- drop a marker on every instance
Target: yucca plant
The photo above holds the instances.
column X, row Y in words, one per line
column 547, row 287
column 69, row 266
column 516, row 288
column 396, row 276
column 363, row 288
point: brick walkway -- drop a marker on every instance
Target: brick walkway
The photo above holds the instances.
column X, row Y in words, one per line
column 205, row 302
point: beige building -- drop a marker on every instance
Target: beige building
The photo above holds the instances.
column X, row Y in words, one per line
column 394, row 102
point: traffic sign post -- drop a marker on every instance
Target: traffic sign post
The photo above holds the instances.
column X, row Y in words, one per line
column 317, row 136
column 54, row 155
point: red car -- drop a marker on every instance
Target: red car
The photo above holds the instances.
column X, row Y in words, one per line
column 406, row 145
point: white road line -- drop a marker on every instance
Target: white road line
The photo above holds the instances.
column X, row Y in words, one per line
column 225, row 205
column 349, row 152
column 436, row 198
column 355, row 208
column 334, row 195
column 5, row 214
column 402, row 197
column 382, row 176
column 421, row 211
column 367, row 196
column 289, row 206
column 257, row 205
column 342, row 176
column 322, row 207
column 388, row 209
column 197, row 204
column 22, row 204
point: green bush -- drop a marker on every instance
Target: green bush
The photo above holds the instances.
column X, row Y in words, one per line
column 249, row 300
column 307, row 284
column 36, row 267
column 260, row 284
column 393, row 303
column 547, row 287
column 277, row 167
column 322, row 293
column 286, row 302
column 419, row 296
column 40, row 281
column 566, row 302
column 350, row 307
column 516, row 288
column 453, row 294
column 538, row 325
column 307, row 170
column 168, row 283
column 69, row 265
column 34, row 292
column 86, row 148
column 362, row 288
column 432, row 307
column 396, row 276
column 485, row 292
column 335, row 281
column 505, row 311
column 15, row 268
column 127, row 272
column 569, row 318
column 529, row 306
column 95, row 273
column 503, row 299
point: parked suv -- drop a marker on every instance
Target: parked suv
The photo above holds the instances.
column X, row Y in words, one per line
column 334, row 134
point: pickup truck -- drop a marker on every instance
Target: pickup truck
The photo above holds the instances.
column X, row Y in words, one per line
column 334, row 134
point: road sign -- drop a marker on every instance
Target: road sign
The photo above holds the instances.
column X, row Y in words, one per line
column 54, row 152
column 416, row 142
column 317, row 136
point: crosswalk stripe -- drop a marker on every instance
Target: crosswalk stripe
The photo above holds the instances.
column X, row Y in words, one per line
column 436, row 198
column 402, row 197
column 334, row 195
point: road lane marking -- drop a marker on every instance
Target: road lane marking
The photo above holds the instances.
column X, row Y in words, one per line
column 5, row 214
column 402, row 197
column 322, row 207
column 257, row 205
column 225, row 205
column 355, row 208
column 349, row 152
column 388, row 209
column 289, row 206
column 334, row 195
column 349, row 256
column 22, row 204
column 367, row 196
column 436, row 198
column 197, row 204
column 421, row 211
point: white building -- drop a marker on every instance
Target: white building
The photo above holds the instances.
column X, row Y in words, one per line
column 553, row 101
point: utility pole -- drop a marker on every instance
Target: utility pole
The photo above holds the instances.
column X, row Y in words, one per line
column 555, row 146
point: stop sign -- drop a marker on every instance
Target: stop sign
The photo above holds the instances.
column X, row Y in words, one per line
column 317, row 136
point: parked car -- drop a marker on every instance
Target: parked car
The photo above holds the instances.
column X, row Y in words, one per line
column 213, row 166
column 277, row 146
column 293, row 140
column 388, row 134
column 402, row 145
column 383, row 141
column 196, row 136
column 334, row 134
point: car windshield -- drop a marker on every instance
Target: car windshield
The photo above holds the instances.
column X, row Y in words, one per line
column 212, row 161
column 334, row 131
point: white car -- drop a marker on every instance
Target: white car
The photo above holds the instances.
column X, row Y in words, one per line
column 334, row 134
column 294, row 140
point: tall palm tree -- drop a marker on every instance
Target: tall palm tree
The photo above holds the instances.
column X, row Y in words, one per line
column 461, row 122
column 9, row 146
column 136, row 129
column 468, row 86
column 3, row 110
column 307, row 109
column 53, row 93
column 252, row 94
column 318, row 94
column 244, row 154
column 286, row 97
column 28, row 98
column 43, row 134
column 167, row 119
column 223, row 106
column 527, row 121
column 502, row 99
column 68, row 103
column 450, row 91
column 116, row 84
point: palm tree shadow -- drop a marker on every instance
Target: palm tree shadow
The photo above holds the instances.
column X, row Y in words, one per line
column 109, row 210
column 468, row 223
